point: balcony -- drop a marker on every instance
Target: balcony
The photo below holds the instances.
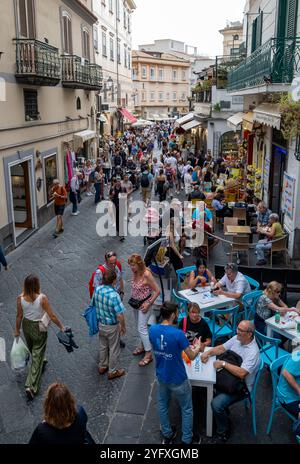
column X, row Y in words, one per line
column 37, row 63
column 78, row 73
column 275, row 62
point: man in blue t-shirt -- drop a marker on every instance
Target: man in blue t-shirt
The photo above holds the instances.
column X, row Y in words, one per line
column 288, row 389
column 168, row 343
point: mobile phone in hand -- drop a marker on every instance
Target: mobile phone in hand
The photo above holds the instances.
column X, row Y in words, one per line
column 194, row 290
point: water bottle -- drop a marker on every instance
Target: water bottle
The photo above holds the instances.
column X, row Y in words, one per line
column 277, row 318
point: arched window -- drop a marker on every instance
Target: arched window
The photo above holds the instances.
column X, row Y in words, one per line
column 67, row 32
column 78, row 104
column 85, row 43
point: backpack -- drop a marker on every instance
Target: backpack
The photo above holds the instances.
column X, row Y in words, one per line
column 101, row 268
column 227, row 382
column 145, row 182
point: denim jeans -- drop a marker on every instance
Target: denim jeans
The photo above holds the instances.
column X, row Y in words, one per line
column 73, row 200
column 97, row 193
column 261, row 247
column 183, row 394
column 219, row 405
column 2, row 258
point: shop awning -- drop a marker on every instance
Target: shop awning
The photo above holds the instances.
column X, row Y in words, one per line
column 268, row 114
column 102, row 119
column 127, row 115
column 185, row 119
column 235, row 121
column 191, row 125
column 248, row 121
column 81, row 137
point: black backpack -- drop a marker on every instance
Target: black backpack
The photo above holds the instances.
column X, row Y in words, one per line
column 227, row 382
column 145, row 182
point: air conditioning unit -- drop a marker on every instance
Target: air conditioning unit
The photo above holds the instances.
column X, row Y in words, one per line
column 105, row 107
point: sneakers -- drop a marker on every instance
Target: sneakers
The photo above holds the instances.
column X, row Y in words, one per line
column 102, row 370
column 116, row 374
column 222, row 437
column 75, row 214
column 29, row 394
column 170, row 441
column 122, row 344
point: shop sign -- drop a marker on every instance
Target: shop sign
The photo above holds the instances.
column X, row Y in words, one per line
column 268, row 119
column 288, row 195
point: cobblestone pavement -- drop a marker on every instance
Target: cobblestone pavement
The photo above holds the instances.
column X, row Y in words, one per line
column 121, row 411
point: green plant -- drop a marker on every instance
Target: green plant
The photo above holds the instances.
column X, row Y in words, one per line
column 206, row 84
column 290, row 117
column 217, row 107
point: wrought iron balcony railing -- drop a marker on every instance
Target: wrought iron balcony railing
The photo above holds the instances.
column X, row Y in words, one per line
column 275, row 62
column 80, row 74
column 37, row 63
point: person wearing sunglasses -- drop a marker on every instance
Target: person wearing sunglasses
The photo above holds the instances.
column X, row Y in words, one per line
column 245, row 346
column 268, row 304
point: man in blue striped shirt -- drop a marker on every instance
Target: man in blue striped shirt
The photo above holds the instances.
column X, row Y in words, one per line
column 110, row 314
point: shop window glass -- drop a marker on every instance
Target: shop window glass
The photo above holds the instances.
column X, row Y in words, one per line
column 50, row 174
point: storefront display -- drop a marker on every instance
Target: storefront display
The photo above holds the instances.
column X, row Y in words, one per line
column 254, row 180
column 229, row 145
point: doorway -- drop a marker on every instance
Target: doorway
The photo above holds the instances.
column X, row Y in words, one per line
column 278, row 165
column 21, row 199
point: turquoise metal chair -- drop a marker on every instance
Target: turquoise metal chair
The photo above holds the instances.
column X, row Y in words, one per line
column 249, row 303
column 253, row 283
column 269, row 348
column 251, row 400
column 181, row 273
column 223, row 323
column 298, row 440
column 275, row 369
column 182, row 306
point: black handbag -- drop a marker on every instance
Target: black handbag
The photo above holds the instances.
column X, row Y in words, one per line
column 227, row 382
column 136, row 304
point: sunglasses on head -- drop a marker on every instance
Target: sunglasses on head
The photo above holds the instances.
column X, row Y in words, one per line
column 110, row 255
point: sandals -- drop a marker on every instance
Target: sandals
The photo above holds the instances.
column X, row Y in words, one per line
column 138, row 351
column 145, row 362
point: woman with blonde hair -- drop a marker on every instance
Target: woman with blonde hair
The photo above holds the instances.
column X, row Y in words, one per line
column 144, row 292
column 268, row 304
column 64, row 423
column 33, row 312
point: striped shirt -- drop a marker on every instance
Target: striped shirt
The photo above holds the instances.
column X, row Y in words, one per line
column 108, row 305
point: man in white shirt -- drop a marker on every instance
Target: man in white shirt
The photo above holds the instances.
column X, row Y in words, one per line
column 74, row 189
column 172, row 161
column 235, row 283
column 244, row 345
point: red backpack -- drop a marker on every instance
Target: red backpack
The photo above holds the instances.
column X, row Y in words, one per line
column 101, row 268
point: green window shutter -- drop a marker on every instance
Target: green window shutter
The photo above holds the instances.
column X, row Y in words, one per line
column 292, row 13
column 254, row 30
column 259, row 29
column 282, row 14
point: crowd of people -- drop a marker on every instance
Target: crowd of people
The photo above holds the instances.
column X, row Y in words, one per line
column 126, row 164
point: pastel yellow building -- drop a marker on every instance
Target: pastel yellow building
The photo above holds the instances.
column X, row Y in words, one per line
column 47, row 106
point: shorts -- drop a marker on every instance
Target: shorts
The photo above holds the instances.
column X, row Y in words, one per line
column 59, row 210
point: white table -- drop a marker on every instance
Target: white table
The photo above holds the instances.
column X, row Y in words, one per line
column 279, row 328
column 204, row 375
column 206, row 300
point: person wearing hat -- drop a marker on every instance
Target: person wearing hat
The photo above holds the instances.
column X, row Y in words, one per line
column 59, row 194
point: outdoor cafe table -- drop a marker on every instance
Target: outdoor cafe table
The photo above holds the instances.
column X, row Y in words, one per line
column 206, row 300
column 279, row 328
column 204, row 375
column 233, row 230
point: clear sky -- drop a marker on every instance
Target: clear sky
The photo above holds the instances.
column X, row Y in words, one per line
column 195, row 22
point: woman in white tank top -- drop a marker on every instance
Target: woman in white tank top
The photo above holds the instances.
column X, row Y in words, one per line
column 33, row 307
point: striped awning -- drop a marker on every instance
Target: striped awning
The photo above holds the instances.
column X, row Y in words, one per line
column 127, row 115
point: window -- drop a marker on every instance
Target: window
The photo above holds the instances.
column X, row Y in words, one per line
column 67, row 33
column 129, row 59
column 27, row 19
column 96, row 38
column 143, row 96
column 129, row 23
column 183, row 75
column 118, row 10
column 183, row 96
column 160, row 96
column 31, row 105
column 85, row 44
column 237, row 100
column 152, row 96
column 104, row 45
column 257, row 27
column 111, row 48
column 110, row 4
column 125, row 56
column 78, row 103
column 50, row 164
column 225, row 105
column 119, row 52
column 104, row 92
column 174, row 96
column 125, row 18
column 160, row 74
column 144, row 72
column 152, row 74
column 174, row 75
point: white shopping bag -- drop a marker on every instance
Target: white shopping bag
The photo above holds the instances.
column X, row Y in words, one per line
column 19, row 355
